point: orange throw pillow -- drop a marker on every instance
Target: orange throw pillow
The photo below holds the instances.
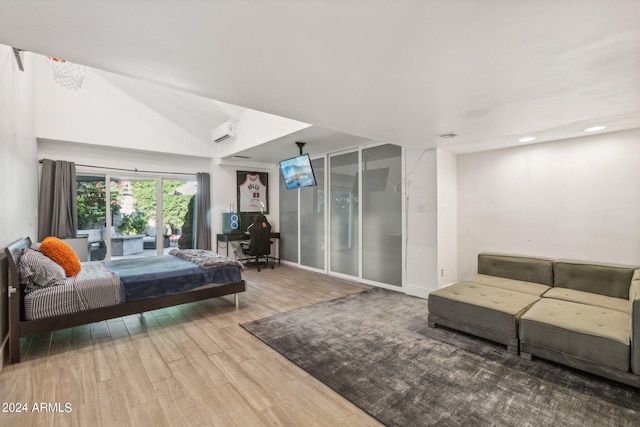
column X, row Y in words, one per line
column 62, row 254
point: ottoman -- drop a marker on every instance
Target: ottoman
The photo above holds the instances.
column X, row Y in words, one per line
column 485, row 311
column 576, row 334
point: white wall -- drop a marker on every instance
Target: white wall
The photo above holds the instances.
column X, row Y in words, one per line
column 447, row 204
column 116, row 121
column 432, row 226
column 123, row 158
column 118, row 111
column 422, row 222
column 577, row 198
column 257, row 128
column 225, row 194
column 18, row 164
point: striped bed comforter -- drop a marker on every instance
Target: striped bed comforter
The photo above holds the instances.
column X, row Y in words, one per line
column 95, row 286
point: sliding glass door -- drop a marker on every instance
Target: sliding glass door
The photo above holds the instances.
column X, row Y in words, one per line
column 133, row 223
column 92, row 214
column 144, row 216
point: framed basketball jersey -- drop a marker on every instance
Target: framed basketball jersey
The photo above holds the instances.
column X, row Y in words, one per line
column 253, row 192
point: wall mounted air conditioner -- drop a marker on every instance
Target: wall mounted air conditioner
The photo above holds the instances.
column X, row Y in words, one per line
column 224, row 131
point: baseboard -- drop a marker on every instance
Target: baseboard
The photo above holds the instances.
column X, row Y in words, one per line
column 417, row 291
column 448, row 284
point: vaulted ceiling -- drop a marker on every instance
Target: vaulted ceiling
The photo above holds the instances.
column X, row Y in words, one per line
column 398, row 71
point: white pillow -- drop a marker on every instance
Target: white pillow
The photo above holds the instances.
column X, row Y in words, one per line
column 38, row 271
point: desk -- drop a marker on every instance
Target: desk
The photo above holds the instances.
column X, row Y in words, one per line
column 237, row 237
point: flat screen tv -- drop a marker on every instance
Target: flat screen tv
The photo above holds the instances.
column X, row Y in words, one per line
column 297, row 172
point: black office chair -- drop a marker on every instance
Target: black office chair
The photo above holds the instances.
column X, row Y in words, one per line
column 259, row 245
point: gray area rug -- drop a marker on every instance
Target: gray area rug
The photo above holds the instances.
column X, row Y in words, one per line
column 376, row 350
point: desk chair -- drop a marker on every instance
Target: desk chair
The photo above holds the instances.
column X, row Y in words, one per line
column 259, row 245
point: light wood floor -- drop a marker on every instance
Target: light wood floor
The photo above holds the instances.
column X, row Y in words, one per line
column 186, row 365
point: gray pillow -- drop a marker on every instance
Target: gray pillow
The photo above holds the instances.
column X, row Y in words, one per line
column 38, row 271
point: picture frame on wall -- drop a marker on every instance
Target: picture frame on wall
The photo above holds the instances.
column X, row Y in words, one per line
column 253, row 192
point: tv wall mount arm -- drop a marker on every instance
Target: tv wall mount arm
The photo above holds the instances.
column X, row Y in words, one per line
column 300, row 145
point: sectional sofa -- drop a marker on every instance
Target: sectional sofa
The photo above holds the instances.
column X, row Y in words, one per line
column 581, row 314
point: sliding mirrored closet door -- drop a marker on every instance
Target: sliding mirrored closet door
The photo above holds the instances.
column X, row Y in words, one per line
column 382, row 214
column 344, row 214
column 351, row 223
column 288, row 223
column 312, row 219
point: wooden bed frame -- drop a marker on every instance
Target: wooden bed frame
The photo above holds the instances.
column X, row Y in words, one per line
column 18, row 327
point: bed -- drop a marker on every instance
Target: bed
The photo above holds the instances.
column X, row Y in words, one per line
column 109, row 289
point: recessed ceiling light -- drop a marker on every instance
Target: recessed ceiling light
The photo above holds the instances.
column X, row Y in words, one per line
column 595, row 128
column 527, row 139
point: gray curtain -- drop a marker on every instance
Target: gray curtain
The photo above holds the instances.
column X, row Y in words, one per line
column 57, row 206
column 203, row 214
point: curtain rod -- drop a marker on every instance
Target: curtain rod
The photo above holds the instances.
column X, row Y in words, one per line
column 131, row 170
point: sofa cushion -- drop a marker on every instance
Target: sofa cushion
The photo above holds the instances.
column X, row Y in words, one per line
column 605, row 279
column 589, row 298
column 595, row 334
column 528, row 269
column 510, row 284
column 484, row 307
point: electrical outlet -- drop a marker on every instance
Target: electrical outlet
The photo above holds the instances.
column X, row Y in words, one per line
column 442, row 272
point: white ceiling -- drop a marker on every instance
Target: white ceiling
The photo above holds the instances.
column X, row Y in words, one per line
column 397, row 71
